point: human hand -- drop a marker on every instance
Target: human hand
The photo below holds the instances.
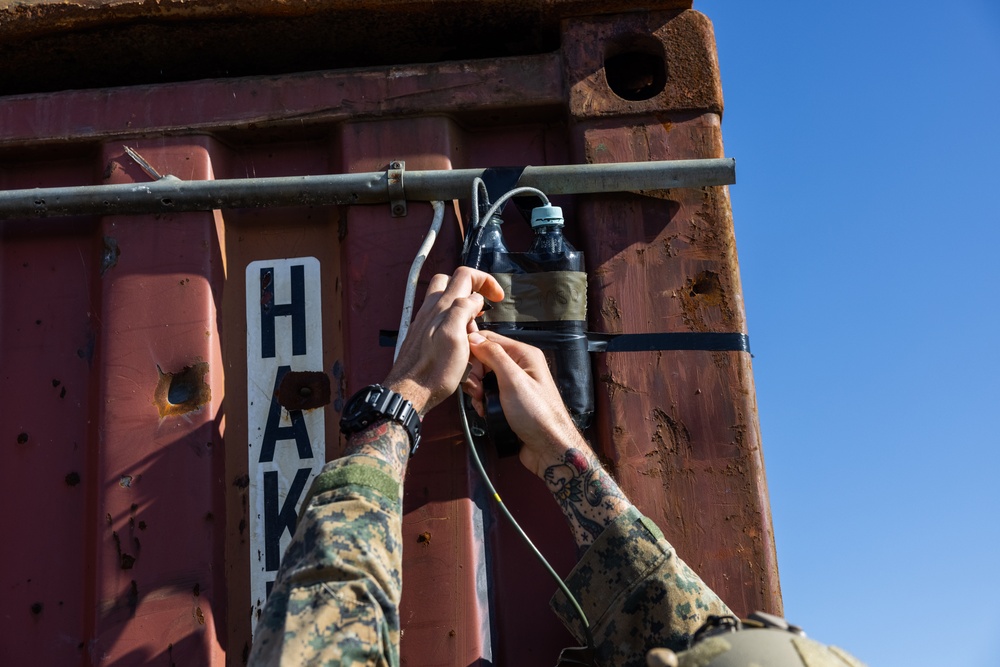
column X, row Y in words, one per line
column 435, row 353
column 529, row 397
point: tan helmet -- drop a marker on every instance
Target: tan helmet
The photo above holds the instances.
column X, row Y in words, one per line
column 763, row 640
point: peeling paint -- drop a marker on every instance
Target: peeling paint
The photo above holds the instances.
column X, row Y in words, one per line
column 705, row 302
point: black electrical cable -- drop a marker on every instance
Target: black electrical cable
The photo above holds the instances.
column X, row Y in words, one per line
column 477, row 462
column 473, row 452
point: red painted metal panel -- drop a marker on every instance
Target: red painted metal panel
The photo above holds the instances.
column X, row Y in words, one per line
column 158, row 462
column 47, row 340
column 138, row 544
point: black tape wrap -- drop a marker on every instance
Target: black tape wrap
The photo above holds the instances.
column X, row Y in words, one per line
column 546, row 295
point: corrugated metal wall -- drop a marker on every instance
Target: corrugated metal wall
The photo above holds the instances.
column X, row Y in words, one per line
column 132, row 367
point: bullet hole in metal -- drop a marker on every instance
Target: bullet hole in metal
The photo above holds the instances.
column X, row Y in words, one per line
column 109, row 254
column 304, row 390
column 707, row 287
column 199, row 615
column 635, row 67
column 179, row 392
column 37, row 608
column 127, row 561
column 246, row 652
column 702, row 286
column 72, row 479
column 133, row 508
column 197, row 590
column 125, row 481
column 424, row 538
column 243, row 525
column 182, row 392
column 167, row 202
column 242, row 482
column 209, row 516
column 38, row 321
column 22, row 438
column 62, row 393
column 142, row 525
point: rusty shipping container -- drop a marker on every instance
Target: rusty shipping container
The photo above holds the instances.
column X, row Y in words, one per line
column 143, row 515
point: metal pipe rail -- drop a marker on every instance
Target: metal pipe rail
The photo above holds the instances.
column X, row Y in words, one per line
column 172, row 195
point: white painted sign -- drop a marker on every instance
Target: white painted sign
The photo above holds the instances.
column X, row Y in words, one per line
column 287, row 449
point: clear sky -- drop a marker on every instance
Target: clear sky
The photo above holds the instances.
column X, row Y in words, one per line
column 867, row 142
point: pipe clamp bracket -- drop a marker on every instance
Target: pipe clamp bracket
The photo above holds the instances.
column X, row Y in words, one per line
column 394, row 181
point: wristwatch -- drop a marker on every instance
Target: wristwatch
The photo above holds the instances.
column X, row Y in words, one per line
column 375, row 402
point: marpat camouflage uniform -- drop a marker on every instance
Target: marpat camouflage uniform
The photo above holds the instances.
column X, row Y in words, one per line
column 336, row 597
column 335, row 600
column 636, row 593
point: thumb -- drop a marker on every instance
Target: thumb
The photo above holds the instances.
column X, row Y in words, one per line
column 492, row 355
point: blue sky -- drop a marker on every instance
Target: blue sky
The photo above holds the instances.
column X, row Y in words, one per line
column 867, row 145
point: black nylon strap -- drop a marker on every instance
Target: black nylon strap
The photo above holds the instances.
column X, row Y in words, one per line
column 707, row 341
column 499, row 180
column 697, row 340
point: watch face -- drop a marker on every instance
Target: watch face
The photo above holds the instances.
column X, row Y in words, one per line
column 361, row 401
column 361, row 409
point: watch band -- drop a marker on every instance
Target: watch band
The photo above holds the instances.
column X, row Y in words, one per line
column 374, row 403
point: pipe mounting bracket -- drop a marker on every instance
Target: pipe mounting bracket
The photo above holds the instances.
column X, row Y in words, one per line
column 394, row 181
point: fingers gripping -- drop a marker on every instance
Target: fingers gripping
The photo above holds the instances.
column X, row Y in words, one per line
column 468, row 281
column 526, row 357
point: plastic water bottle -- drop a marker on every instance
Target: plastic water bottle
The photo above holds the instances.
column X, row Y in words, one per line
column 566, row 300
column 488, row 247
column 548, row 222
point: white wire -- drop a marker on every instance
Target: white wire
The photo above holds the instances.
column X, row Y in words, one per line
column 478, row 222
column 513, row 193
column 411, row 281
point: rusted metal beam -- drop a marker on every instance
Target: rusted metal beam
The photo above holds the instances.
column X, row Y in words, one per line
column 133, row 42
column 20, row 18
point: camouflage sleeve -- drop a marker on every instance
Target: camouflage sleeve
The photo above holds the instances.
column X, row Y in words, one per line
column 636, row 592
column 335, row 600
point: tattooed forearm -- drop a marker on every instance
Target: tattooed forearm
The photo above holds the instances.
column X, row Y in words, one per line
column 589, row 497
column 386, row 440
